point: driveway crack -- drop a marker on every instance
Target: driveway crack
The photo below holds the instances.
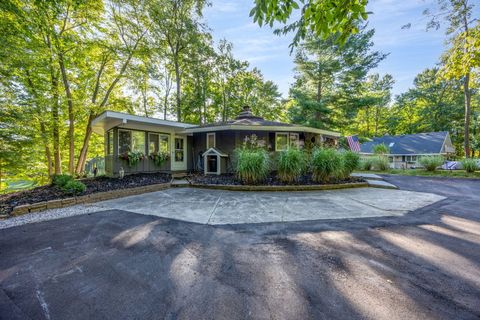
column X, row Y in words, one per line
column 213, row 210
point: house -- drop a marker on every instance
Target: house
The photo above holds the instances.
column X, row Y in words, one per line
column 206, row 148
column 405, row 150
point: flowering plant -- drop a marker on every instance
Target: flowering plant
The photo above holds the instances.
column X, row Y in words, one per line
column 160, row 157
column 132, row 157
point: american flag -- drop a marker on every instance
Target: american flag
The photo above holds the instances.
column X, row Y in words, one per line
column 353, row 143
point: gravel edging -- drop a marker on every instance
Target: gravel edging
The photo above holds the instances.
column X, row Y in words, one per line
column 51, row 214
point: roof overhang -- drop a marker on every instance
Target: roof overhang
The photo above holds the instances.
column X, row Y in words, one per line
column 292, row 128
column 110, row 119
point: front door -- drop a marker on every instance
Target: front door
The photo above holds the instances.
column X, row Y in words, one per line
column 179, row 154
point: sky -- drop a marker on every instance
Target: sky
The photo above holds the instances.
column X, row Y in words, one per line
column 410, row 50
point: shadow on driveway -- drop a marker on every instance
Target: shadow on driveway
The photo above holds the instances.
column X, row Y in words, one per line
column 116, row 264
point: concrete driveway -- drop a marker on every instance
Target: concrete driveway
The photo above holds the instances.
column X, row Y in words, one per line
column 237, row 207
column 123, row 265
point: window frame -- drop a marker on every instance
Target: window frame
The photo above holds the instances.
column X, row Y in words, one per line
column 287, row 134
column 159, row 141
column 290, row 140
column 110, row 146
column 131, row 131
column 214, row 140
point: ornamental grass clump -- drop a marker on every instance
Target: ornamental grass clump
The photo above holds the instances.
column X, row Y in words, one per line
column 252, row 161
column 380, row 163
column 431, row 163
column 290, row 165
column 326, row 164
column 366, row 164
column 351, row 161
column 470, row 165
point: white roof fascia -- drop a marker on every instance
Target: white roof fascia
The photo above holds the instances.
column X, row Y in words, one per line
column 263, row 128
column 213, row 150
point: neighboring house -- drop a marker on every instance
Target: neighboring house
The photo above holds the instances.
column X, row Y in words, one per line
column 406, row 150
column 206, row 148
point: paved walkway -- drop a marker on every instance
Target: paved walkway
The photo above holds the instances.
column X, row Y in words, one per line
column 208, row 206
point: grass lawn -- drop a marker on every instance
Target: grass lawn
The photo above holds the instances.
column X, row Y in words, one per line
column 16, row 185
column 421, row 172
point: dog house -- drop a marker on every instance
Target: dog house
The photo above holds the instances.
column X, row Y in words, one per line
column 214, row 161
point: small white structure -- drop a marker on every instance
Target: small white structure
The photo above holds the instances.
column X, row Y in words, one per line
column 214, row 161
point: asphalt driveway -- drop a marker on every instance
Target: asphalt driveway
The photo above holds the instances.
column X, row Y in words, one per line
column 122, row 265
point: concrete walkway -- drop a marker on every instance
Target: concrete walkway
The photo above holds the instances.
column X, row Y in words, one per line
column 235, row 207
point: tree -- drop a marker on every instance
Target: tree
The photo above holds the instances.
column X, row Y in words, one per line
column 329, row 78
column 176, row 22
column 322, row 18
column 463, row 54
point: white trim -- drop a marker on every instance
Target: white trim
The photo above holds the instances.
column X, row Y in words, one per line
column 263, row 128
column 179, row 165
column 298, row 139
column 159, row 135
column 288, row 140
column 214, row 140
column 215, row 151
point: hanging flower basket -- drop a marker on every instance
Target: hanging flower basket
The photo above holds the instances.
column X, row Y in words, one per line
column 159, row 158
column 132, row 158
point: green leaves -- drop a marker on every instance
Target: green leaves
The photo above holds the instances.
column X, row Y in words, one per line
column 321, row 18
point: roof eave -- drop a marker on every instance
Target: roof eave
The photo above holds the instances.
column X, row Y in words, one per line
column 262, row 128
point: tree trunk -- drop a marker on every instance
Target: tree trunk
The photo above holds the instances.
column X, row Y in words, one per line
column 179, row 89
column 319, row 99
column 467, row 95
column 71, row 119
column 224, row 96
column 82, row 158
column 55, row 128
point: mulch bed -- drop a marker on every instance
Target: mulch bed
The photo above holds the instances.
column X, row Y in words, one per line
column 271, row 180
column 100, row 184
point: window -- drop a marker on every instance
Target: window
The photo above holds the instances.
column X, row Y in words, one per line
column 210, row 140
column 281, row 141
column 152, row 143
column 157, row 142
column 124, row 141
column 110, row 142
column 131, row 141
column 285, row 140
column 294, row 140
column 164, row 143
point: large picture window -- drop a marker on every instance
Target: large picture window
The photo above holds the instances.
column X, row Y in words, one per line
column 157, row 142
column 129, row 140
column 285, row 140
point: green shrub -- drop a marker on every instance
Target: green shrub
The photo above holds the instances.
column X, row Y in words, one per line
column 366, row 164
column 132, row 158
column 430, row 163
column 290, row 165
column 351, row 161
column 470, row 165
column 381, row 149
column 159, row 158
column 252, row 164
column 61, row 180
column 326, row 164
column 380, row 163
column 74, row 187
